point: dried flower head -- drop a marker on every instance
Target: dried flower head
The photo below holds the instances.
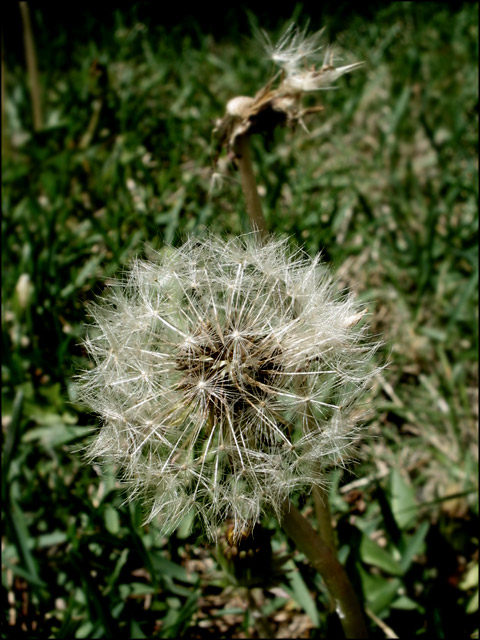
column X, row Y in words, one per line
column 297, row 53
column 226, row 374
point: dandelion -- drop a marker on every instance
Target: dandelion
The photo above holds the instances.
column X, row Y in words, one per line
column 298, row 55
column 226, row 375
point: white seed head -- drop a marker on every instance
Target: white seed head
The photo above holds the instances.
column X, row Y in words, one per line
column 225, row 374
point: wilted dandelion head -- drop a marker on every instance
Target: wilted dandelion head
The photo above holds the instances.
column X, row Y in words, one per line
column 306, row 65
column 225, row 374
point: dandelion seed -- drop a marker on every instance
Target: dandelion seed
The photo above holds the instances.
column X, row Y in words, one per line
column 294, row 47
column 296, row 53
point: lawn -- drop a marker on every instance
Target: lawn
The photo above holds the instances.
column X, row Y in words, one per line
column 384, row 183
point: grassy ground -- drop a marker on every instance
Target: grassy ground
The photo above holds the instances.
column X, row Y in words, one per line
column 384, row 184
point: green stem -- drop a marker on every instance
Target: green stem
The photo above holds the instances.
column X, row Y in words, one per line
column 5, row 140
column 243, row 158
column 32, row 68
column 324, row 561
column 324, row 519
column 92, row 125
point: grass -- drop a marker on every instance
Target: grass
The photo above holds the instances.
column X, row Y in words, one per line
column 384, row 184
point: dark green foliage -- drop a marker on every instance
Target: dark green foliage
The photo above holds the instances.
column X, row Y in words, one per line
column 384, row 184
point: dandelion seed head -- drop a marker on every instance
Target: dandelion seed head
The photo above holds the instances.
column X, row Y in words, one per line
column 226, row 396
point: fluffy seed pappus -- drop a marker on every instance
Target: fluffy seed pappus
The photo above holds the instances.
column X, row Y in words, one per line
column 226, row 375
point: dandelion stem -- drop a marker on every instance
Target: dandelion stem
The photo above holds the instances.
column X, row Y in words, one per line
column 324, row 519
column 243, row 159
column 333, row 573
column 324, row 522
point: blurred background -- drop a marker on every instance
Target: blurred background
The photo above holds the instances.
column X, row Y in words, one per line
column 107, row 152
